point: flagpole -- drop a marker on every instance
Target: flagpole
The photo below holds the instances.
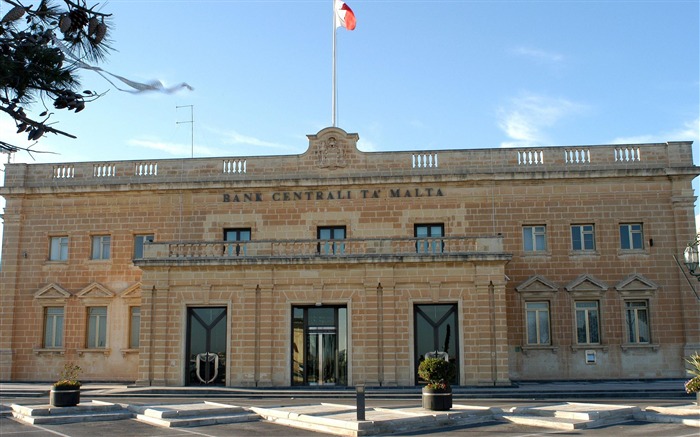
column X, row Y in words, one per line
column 334, row 94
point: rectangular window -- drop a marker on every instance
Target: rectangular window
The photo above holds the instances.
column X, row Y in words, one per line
column 59, row 249
column 537, row 314
column 53, row 327
column 239, row 236
column 327, row 234
column 582, row 237
column 101, row 246
column 637, row 318
column 134, row 327
column 587, row 323
column 97, row 327
column 430, row 238
column 631, row 236
column 139, row 242
column 535, row 238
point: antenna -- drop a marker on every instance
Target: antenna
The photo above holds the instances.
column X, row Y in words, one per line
column 191, row 122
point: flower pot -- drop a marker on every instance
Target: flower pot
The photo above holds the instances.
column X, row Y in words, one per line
column 437, row 399
column 64, row 397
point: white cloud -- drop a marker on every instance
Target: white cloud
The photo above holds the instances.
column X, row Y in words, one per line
column 538, row 54
column 697, row 223
column 689, row 131
column 235, row 138
column 175, row 149
column 527, row 116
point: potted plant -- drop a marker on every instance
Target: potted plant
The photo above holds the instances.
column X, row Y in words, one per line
column 693, row 384
column 438, row 372
column 66, row 391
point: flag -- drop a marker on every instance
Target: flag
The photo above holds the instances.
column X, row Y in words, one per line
column 344, row 16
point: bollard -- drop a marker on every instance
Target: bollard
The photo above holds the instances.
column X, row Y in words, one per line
column 360, row 400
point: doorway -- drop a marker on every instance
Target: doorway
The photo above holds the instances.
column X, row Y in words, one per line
column 319, row 346
column 206, row 346
column 435, row 335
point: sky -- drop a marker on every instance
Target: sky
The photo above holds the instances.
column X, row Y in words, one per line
column 413, row 75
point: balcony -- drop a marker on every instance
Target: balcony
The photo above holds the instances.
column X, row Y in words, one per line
column 361, row 250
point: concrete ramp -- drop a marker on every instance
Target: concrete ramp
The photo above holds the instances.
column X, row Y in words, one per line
column 191, row 414
column 342, row 419
column 570, row 415
column 90, row 411
column 685, row 414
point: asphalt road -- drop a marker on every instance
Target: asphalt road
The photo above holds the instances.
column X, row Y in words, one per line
column 128, row 428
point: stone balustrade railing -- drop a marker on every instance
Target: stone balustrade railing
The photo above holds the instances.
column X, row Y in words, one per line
column 321, row 249
column 367, row 164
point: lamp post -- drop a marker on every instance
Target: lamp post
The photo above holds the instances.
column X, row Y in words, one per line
column 691, row 257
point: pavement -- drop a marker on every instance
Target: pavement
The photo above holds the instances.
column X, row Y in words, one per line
column 554, row 405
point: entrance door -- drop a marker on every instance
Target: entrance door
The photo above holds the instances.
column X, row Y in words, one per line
column 436, row 335
column 206, row 346
column 319, row 345
column 321, row 359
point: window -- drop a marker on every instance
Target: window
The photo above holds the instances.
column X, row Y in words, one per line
column 139, row 242
column 134, row 327
column 535, row 238
column 237, row 235
column 537, row 315
column 59, row 249
column 582, row 237
column 631, row 236
column 327, row 234
column 432, row 235
column 53, row 327
column 101, row 246
column 587, row 322
column 97, row 327
column 637, row 318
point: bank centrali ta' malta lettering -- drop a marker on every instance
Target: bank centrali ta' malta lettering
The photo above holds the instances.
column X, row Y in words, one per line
column 286, row 196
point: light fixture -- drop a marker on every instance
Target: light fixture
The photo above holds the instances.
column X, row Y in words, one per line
column 691, row 257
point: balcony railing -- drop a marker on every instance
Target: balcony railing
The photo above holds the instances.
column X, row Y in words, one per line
column 271, row 250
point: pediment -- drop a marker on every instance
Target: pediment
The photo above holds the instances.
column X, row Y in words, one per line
column 52, row 291
column 537, row 284
column 332, row 148
column 586, row 283
column 95, row 290
column 636, row 283
column 133, row 291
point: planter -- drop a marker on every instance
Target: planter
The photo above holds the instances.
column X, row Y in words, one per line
column 437, row 399
column 64, row 397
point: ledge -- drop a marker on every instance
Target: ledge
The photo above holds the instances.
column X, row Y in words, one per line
column 126, row 352
column 598, row 347
column 652, row 346
column 105, row 351
column 526, row 349
column 48, row 351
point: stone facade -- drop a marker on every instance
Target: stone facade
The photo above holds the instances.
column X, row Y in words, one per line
column 383, row 272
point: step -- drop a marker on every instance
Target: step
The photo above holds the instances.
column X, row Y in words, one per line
column 579, row 411
column 688, row 415
column 90, row 411
column 545, row 422
column 192, row 421
column 193, row 414
column 165, row 411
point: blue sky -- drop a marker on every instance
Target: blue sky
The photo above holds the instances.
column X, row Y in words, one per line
column 414, row 75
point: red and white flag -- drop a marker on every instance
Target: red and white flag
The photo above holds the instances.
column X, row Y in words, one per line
column 344, row 16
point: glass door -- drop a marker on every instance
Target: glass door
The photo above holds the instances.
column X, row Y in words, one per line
column 436, row 335
column 321, row 359
column 319, row 345
column 206, row 346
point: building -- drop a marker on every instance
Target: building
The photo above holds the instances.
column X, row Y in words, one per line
column 338, row 267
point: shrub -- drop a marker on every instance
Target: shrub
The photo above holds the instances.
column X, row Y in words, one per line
column 69, row 377
column 437, row 372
